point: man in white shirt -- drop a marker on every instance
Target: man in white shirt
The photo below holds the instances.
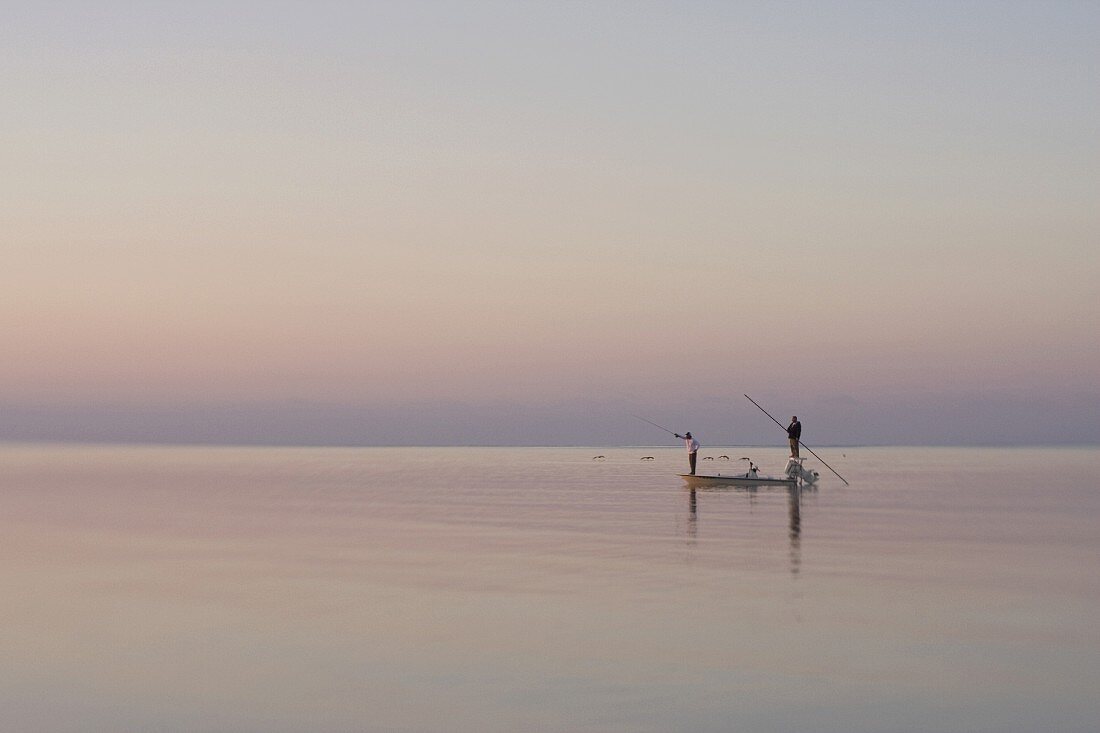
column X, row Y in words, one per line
column 692, row 446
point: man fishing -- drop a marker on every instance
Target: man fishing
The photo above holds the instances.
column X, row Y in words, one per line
column 692, row 446
column 794, row 434
column 797, row 426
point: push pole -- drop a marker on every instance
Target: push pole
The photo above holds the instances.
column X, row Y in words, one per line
column 750, row 399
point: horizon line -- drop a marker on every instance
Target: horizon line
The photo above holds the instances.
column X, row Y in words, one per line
column 661, row 446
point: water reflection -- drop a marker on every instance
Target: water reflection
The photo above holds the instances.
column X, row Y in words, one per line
column 794, row 512
column 794, row 515
column 693, row 516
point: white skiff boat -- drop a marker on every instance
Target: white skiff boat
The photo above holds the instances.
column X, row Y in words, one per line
column 740, row 479
column 794, row 474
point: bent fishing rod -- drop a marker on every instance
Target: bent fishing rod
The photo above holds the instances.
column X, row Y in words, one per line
column 750, row 399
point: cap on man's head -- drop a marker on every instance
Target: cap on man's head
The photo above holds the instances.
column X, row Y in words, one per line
column 687, row 434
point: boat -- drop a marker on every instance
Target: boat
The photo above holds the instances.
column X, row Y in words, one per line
column 794, row 474
column 740, row 479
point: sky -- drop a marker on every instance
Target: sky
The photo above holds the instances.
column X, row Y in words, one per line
column 498, row 223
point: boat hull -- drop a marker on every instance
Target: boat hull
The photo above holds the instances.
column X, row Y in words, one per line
column 735, row 480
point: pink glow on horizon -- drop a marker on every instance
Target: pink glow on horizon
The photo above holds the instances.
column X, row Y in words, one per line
column 198, row 212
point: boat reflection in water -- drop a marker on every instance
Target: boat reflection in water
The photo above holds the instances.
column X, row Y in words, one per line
column 794, row 510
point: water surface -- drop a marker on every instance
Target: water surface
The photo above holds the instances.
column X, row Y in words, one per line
column 506, row 589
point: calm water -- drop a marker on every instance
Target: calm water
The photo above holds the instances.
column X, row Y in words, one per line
column 469, row 589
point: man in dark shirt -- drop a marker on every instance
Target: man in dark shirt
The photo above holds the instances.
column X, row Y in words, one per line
column 794, row 434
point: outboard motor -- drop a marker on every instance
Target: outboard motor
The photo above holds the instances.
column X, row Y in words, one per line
column 796, row 470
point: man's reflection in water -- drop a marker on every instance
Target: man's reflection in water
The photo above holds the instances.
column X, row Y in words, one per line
column 693, row 516
column 794, row 516
column 794, row 508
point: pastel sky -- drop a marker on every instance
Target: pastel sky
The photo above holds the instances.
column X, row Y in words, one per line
column 518, row 222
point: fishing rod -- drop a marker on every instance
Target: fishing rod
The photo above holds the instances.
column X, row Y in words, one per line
column 750, row 399
column 659, row 426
